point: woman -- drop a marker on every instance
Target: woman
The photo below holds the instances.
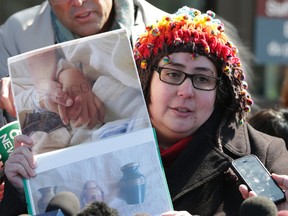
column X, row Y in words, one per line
column 197, row 98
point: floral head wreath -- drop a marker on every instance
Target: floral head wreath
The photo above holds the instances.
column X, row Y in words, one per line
column 205, row 35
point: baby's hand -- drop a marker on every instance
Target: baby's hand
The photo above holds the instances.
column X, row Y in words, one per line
column 53, row 98
column 51, row 93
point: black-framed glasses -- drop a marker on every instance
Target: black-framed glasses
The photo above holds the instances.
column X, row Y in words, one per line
column 176, row 77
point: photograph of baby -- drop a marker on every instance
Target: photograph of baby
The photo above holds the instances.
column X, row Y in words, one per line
column 77, row 92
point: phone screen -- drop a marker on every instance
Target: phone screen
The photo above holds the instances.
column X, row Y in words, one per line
column 257, row 178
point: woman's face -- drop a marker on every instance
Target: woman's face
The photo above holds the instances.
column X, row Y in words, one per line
column 83, row 17
column 177, row 111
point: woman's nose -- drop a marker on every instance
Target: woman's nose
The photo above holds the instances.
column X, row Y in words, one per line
column 186, row 89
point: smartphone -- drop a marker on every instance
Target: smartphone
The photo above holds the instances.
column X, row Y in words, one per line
column 257, row 178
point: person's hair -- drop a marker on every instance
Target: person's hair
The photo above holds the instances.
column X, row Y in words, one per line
column 284, row 92
column 98, row 208
column 271, row 121
column 199, row 34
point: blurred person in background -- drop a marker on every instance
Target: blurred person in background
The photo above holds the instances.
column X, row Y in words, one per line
column 271, row 121
column 284, row 91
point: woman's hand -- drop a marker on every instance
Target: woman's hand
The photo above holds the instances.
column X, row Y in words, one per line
column 20, row 163
column 176, row 213
column 282, row 181
column 245, row 192
column 86, row 107
column 1, row 190
column 89, row 108
column 6, row 97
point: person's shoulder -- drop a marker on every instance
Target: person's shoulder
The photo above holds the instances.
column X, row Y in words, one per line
column 26, row 30
column 262, row 137
column 150, row 9
column 27, row 15
column 146, row 14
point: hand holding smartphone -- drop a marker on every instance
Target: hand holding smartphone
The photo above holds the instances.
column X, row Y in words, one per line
column 257, row 178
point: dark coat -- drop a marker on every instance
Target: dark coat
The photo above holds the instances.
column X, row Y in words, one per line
column 200, row 181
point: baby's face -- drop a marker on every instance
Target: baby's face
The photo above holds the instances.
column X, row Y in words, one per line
column 73, row 81
column 70, row 75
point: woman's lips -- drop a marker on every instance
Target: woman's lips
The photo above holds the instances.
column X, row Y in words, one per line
column 182, row 111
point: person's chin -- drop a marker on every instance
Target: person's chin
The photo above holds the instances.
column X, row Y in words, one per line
column 84, row 31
